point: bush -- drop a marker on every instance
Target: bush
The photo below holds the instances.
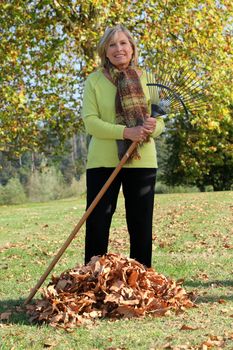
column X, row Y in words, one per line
column 12, row 192
column 162, row 189
column 46, row 185
column 41, row 187
column 50, row 185
column 75, row 188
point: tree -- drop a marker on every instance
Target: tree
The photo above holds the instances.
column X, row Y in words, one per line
column 39, row 97
column 49, row 46
column 201, row 152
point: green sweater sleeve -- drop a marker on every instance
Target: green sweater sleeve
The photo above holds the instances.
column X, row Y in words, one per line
column 99, row 121
column 94, row 125
column 103, row 130
column 160, row 126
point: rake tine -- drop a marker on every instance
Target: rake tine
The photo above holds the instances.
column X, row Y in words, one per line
column 188, row 85
column 185, row 82
column 168, row 96
column 187, row 98
column 191, row 85
column 168, row 76
column 192, row 97
column 176, row 76
column 173, row 101
column 186, row 78
column 173, row 77
column 197, row 94
column 181, row 83
column 193, row 108
column 163, row 73
column 193, row 93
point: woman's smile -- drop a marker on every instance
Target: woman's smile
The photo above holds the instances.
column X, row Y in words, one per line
column 119, row 51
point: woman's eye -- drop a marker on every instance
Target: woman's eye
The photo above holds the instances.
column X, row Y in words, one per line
column 121, row 43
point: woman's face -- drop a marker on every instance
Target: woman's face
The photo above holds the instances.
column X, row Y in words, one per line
column 119, row 51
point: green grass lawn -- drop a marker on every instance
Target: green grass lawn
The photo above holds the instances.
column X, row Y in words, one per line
column 192, row 240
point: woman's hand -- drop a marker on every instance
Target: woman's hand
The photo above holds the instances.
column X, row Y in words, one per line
column 141, row 132
column 137, row 133
column 150, row 124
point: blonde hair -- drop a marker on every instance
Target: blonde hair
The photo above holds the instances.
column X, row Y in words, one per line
column 104, row 41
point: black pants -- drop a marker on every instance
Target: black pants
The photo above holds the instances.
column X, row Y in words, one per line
column 138, row 189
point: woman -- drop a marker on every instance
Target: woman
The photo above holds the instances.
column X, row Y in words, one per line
column 116, row 111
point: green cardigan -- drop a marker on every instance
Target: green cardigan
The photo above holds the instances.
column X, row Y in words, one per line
column 98, row 113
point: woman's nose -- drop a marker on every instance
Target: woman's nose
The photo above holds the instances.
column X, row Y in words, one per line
column 118, row 46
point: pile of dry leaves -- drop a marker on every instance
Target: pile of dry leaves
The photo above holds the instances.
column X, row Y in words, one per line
column 109, row 286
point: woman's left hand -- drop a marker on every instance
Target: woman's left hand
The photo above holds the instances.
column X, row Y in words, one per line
column 150, row 124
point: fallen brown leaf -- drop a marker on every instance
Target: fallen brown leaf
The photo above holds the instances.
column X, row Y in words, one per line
column 212, row 344
column 222, row 301
column 50, row 344
column 216, row 337
column 5, row 316
column 9, row 245
column 188, row 328
column 109, row 286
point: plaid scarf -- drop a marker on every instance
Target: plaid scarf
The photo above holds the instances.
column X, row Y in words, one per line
column 130, row 103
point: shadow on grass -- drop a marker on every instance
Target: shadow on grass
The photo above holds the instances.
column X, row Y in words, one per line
column 214, row 286
column 17, row 312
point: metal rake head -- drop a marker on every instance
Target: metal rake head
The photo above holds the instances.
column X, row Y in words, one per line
column 175, row 91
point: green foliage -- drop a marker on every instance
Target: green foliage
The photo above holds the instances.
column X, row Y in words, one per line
column 49, row 184
column 75, row 188
column 38, row 92
column 7, row 169
column 41, row 186
column 46, row 185
column 162, row 188
column 47, row 48
column 185, row 164
column 12, row 193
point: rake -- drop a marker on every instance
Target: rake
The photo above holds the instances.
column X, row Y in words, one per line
column 175, row 91
column 172, row 92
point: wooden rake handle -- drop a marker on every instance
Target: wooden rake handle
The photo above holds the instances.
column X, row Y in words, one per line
column 81, row 222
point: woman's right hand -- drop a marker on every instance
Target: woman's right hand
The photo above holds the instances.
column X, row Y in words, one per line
column 137, row 133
